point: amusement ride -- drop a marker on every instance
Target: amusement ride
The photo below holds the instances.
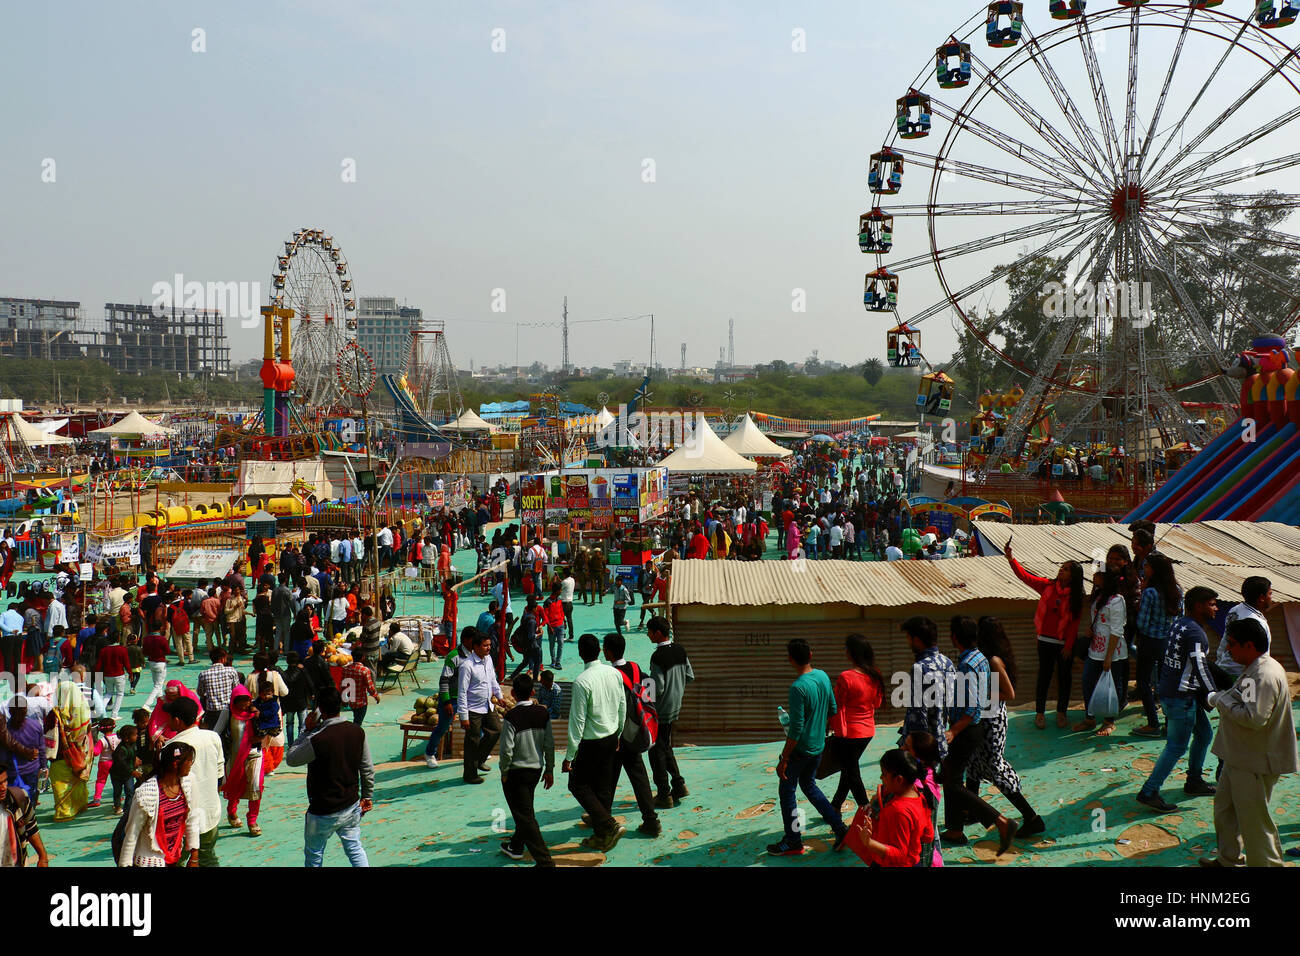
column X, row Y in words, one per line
column 1109, row 179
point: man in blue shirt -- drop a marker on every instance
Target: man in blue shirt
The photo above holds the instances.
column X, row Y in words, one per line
column 969, row 701
column 1184, row 680
column 811, row 703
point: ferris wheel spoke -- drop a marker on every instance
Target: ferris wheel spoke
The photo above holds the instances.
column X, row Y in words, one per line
column 1254, row 136
column 1028, row 207
column 1089, row 267
column 1164, row 90
column 1130, row 108
column 986, row 174
column 1167, row 170
column 1265, row 276
column 1001, row 272
column 1248, row 232
column 1093, row 154
column 1004, row 141
column 987, row 242
column 1114, row 149
column 1239, row 175
column 1192, row 321
column 1176, row 129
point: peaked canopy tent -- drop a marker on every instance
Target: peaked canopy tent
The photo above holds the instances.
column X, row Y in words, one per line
column 746, row 439
column 133, row 425
column 468, row 423
column 604, row 417
column 16, row 430
column 135, row 440
column 704, row 453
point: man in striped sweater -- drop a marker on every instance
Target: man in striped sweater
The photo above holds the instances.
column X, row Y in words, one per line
column 527, row 755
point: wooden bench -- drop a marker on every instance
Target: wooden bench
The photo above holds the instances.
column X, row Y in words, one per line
column 422, row 733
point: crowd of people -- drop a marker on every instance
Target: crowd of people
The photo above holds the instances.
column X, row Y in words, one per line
column 172, row 764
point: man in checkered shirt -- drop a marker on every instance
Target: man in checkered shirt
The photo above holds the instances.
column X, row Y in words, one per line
column 215, row 687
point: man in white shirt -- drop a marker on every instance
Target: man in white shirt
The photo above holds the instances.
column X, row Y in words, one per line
column 837, row 541
column 400, row 647
column 477, row 694
column 358, row 557
column 56, row 615
column 893, row 553
column 597, row 713
column 384, row 539
column 566, row 600
column 501, row 591
column 209, row 767
column 1257, row 594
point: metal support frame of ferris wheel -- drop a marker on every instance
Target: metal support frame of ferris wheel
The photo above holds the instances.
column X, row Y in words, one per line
column 1072, row 177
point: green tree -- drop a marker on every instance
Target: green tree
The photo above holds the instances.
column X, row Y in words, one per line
column 873, row 370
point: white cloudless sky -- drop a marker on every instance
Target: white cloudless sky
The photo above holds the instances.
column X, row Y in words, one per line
column 475, row 170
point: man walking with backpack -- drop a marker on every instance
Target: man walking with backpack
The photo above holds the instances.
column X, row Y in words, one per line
column 597, row 716
column 670, row 672
column 638, row 733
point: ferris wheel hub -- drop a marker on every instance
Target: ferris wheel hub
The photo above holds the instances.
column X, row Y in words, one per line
column 1126, row 200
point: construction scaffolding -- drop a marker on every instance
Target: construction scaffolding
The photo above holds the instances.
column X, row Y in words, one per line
column 133, row 340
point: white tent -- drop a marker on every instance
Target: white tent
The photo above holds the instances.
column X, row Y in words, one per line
column 705, row 453
column 747, row 440
column 16, row 430
column 604, row 417
column 133, row 425
column 468, row 422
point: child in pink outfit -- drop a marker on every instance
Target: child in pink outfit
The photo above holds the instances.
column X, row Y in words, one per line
column 105, row 743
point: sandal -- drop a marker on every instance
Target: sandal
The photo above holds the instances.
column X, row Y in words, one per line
column 234, row 821
column 1107, row 729
column 1147, row 731
column 1086, row 724
column 1040, row 721
column 254, row 830
column 1062, row 721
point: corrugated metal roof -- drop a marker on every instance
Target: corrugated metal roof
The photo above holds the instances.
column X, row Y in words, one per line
column 876, row 584
column 865, row 584
column 1209, row 542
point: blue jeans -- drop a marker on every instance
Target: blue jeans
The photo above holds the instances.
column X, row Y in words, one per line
column 555, row 636
column 435, row 738
column 318, row 830
column 123, row 792
column 801, row 771
column 292, row 719
column 1186, row 721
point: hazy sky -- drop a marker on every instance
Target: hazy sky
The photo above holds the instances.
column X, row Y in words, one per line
column 477, row 170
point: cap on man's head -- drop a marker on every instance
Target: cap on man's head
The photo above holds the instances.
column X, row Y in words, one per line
column 18, row 701
column 182, row 707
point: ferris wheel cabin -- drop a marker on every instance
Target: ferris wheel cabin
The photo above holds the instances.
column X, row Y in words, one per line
column 886, row 175
column 1268, row 18
column 914, row 115
column 881, row 293
column 875, row 231
column 1205, row 4
column 903, row 344
column 934, row 393
column 952, row 64
column 1133, row 3
column 1061, row 10
column 1000, row 34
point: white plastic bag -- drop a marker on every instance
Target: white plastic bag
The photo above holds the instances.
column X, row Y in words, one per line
column 1105, row 702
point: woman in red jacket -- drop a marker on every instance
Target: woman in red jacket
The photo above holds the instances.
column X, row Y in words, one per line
column 859, row 690
column 1056, row 622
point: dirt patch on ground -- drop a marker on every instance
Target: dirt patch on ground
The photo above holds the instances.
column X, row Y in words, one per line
column 756, row 811
column 574, row 854
column 1143, row 840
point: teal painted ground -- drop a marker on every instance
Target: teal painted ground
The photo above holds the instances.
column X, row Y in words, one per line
column 428, row 817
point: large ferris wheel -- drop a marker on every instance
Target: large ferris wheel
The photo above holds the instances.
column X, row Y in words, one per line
column 311, row 277
column 1108, row 148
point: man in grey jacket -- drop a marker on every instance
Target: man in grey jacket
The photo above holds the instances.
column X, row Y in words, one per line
column 670, row 672
column 1257, row 744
